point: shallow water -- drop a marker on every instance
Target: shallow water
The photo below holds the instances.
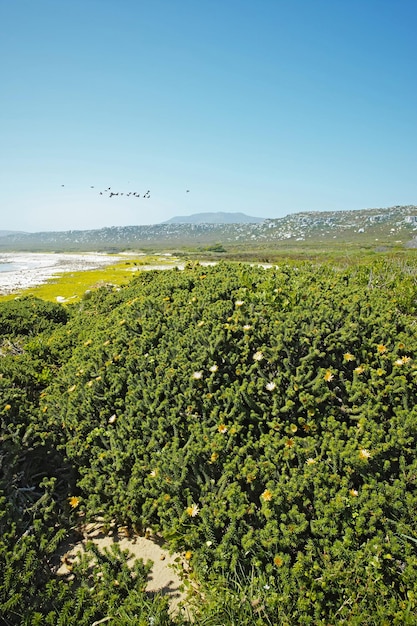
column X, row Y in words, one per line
column 5, row 266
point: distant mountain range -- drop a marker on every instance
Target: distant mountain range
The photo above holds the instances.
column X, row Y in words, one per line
column 215, row 218
column 5, row 233
column 373, row 228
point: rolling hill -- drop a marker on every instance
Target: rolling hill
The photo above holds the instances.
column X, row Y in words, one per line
column 371, row 227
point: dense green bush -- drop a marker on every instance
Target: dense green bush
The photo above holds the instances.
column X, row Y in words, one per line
column 30, row 316
column 263, row 420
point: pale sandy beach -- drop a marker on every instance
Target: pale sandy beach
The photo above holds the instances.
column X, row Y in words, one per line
column 20, row 270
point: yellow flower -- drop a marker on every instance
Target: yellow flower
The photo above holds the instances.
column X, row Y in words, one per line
column 193, row 510
column 222, row 428
column 278, row 560
column 214, row 457
column 266, row 495
column 354, row 493
column 73, row 502
column 359, row 370
column 7, row 407
column 188, row 555
column 348, row 356
column 310, row 461
column 88, row 342
column 328, row 376
column 364, row 454
column 402, row 360
column 258, row 356
column 73, row 388
column 289, row 443
column 381, row 348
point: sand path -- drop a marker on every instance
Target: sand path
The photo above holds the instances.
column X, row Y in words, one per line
column 164, row 576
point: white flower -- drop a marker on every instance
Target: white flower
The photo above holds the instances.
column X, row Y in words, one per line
column 193, row 510
column 270, row 386
column 239, row 302
column 112, row 419
column 310, row 461
column 247, row 327
column 258, row 356
column 214, row 368
column 197, row 375
column 209, row 543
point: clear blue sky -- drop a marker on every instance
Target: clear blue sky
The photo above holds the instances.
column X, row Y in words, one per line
column 267, row 107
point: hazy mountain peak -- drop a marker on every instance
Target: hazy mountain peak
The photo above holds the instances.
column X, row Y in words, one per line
column 215, row 218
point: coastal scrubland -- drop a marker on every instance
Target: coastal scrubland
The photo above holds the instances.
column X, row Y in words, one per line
column 260, row 420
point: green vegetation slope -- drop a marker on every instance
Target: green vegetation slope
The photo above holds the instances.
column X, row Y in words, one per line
column 262, row 420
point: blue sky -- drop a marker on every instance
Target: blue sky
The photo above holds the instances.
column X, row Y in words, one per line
column 267, row 107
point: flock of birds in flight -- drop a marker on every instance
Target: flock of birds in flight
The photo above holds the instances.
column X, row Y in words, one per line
column 134, row 194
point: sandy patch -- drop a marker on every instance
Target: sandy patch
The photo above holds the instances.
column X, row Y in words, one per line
column 164, row 576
